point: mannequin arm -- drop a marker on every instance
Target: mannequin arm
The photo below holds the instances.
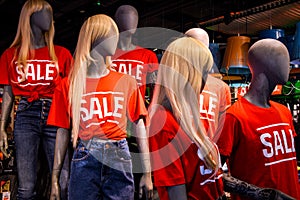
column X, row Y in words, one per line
column 7, row 103
column 151, row 80
column 61, row 145
column 177, row 192
column 245, row 189
column 242, row 188
column 142, row 141
column 151, row 77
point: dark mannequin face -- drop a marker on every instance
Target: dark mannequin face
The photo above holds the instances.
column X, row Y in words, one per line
column 41, row 20
column 106, row 46
column 281, row 71
column 127, row 21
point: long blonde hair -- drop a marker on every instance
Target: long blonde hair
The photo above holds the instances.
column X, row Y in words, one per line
column 181, row 76
column 95, row 27
column 22, row 41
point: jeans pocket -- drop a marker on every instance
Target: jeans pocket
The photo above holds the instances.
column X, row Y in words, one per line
column 123, row 154
column 81, row 153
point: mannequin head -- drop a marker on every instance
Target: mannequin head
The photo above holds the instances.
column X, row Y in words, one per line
column 198, row 34
column 127, row 18
column 269, row 57
column 41, row 20
column 202, row 36
column 98, row 33
column 194, row 56
column 38, row 13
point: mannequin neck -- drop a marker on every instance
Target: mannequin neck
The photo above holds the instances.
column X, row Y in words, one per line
column 38, row 38
column 260, row 91
column 125, row 42
column 97, row 68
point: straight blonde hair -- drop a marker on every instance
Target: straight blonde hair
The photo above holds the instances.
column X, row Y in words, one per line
column 22, row 41
column 95, row 27
column 181, row 77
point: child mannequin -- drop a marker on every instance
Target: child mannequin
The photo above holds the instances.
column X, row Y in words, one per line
column 31, row 68
column 100, row 105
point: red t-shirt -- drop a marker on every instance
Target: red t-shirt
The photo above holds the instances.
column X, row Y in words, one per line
column 260, row 145
column 215, row 98
column 175, row 161
column 137, row 63
column 42, row 76
column 105, row 107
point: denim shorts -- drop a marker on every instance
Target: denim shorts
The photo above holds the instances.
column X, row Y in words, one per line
column 101, row 170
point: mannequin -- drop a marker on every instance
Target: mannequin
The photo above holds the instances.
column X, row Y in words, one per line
column 31, row 68
column 138, row 62
column 101, row 166
column 179, row 173
column 250, row 140
column 215, row 97
column 214, row 100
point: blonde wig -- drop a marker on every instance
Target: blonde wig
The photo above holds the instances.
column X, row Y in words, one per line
column 181, row 77
column 94, row 28
column 23, row 39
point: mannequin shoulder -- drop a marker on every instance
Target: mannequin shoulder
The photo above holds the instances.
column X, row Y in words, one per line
column 60, row 50
column 9, row 53
column 144, row 50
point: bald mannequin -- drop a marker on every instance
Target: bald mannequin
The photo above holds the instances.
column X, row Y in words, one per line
column 266, row 72
column 251, row 127
column 141, row 64
column 202, row 36
column 214, row 89
column 126, row 18
column 198, row 34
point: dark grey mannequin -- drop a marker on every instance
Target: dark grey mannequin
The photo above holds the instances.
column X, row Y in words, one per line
column 40, row 22
column 126, row 18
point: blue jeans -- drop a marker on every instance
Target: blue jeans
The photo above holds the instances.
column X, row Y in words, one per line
column 101, row 170
column 31, row 131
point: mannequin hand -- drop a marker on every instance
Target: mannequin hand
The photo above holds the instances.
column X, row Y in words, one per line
column 55, row 188
column 4, row 143
column 272, row 194
column 242, row 188
column 146, row 184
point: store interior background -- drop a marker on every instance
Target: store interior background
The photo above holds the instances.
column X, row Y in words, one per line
column 221, row 19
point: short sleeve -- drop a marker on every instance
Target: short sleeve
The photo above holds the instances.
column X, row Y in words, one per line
column 59, row 114
column 228, row 95
column 4, row 66
column 65, row 60
column 229, row 135
column 136, row 106
column 152, row 62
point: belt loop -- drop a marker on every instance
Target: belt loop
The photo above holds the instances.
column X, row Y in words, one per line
column 121, row 142
column 88, row 144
